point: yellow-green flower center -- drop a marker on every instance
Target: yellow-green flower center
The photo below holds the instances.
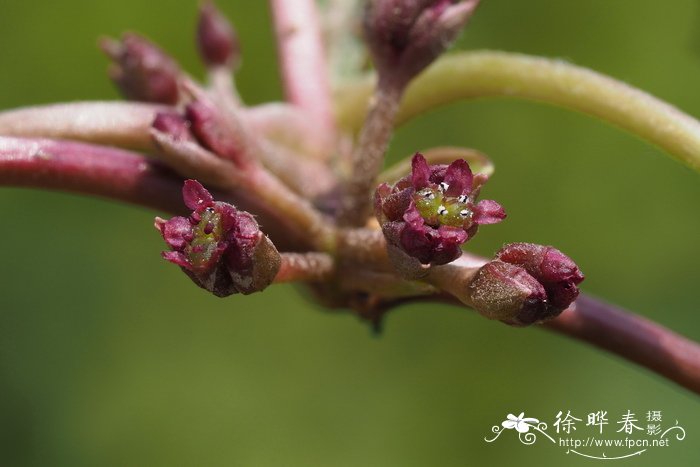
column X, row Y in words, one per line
column 207, row 234
column 438, row 209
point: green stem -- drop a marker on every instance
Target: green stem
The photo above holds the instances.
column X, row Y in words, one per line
column 486, row 73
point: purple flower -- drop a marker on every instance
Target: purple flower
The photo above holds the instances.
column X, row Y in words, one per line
column 220, row 248
column 405, row 36
column 433, row 211
column 142, row 71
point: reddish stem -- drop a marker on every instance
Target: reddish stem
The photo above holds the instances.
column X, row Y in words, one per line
column 84, row 168
column 302, row 58
column 117, row 174
column 634, row 338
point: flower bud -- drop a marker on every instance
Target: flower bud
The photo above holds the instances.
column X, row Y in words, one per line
column 220, row 248
column 212, row 130
column 174, row 125
column 216, row 40
column 428, row 214
column 405, row 36
column 142, row 71
column 553, row 269
column 508, row 293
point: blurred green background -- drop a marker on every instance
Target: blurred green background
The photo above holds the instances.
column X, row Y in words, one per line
column 110, row 357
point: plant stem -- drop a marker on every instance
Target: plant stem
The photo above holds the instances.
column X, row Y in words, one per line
column 128, row 124
column 485, row 73
column 305, row 267
column 222, row 86
column 302, row 59
column 123, row 124
column 609, row 327
column 95, row 170
column 124, row 176
column 296, row 213
column 368, row 156
column 632, row 337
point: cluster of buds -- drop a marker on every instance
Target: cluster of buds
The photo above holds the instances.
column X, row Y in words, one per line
column 142, row 71
column 219, row 247
column 425, row 217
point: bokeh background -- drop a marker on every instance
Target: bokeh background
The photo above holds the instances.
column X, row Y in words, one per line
column 110, row 357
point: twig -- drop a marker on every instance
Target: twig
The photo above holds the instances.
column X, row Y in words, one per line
column 368, row 156
column 609, row 327
column 88, row 169
column 124, row 176
column 632, row 337
column 305, row 267
column 302, row 59
column 123, row 124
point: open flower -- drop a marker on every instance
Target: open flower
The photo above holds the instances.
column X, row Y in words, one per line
column 519, row 423
column 431, row 212
column 219, row 247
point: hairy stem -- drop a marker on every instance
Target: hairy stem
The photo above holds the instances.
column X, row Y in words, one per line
column 122, row 124
column 94, row 170
column 485, row 73
column 302, row 58
column 222, row 85
column 295, row 212
column 368, row 156
column 305, row 267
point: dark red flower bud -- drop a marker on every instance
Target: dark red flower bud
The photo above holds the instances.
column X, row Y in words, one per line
column 553, row 269
column 174, row 125
column 508, row 293
column 216, row 40
column 405, row 36
column 142, row 71
column 213, row 131
column 220, row 248
column 431, row 212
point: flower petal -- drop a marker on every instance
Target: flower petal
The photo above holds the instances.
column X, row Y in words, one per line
column 178, row 258
column 420, row 171
column 488, row 212
column 176, row 232
column 459, row 178
column 195, row 195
